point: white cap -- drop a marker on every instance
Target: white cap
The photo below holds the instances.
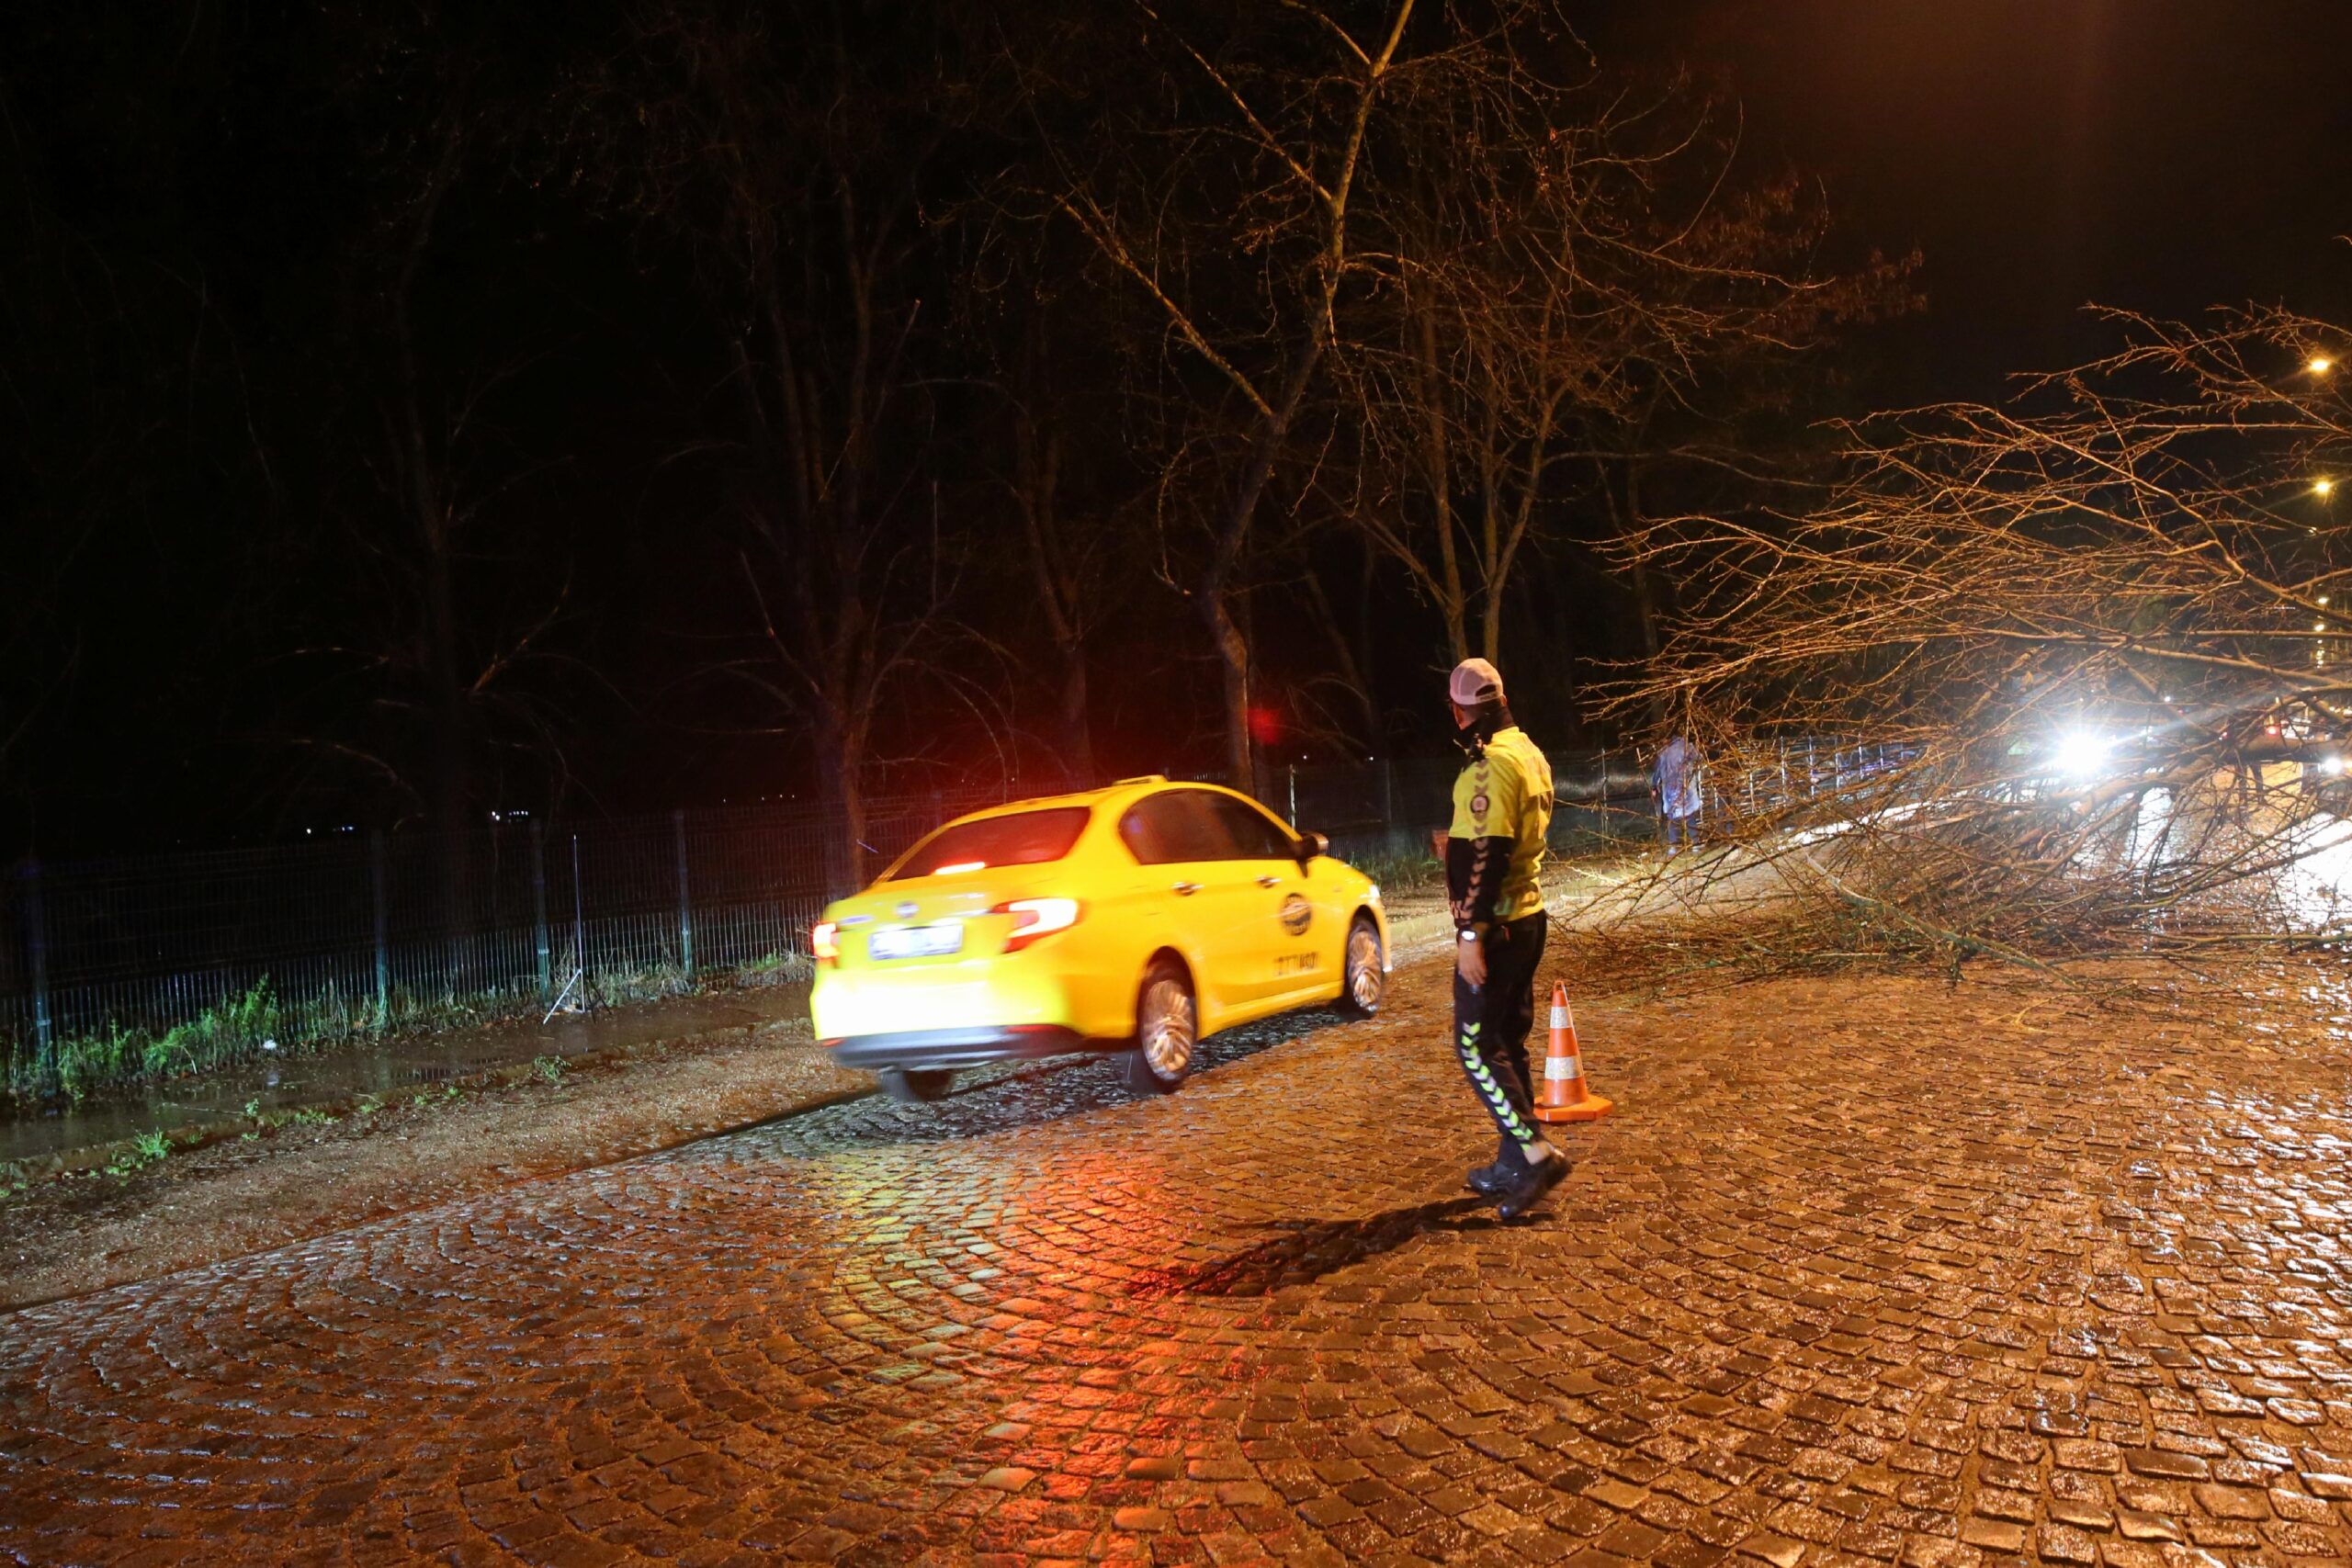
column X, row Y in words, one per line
column 1474, row 683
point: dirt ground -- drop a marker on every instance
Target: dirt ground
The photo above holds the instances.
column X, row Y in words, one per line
column 84, row 1232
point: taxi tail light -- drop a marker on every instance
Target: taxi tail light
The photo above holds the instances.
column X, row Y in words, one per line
column 821, row 945
column 1037, row 917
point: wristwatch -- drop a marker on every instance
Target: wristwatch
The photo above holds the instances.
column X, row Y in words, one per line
column 1469, row 933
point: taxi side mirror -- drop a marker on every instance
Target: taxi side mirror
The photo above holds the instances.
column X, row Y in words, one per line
column 1311, row 845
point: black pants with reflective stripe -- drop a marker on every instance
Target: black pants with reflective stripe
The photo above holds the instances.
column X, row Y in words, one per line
column 1492, row 1024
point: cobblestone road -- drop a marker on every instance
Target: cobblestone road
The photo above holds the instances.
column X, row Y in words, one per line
column 1841, row 1284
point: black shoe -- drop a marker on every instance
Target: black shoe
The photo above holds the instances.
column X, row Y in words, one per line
column 1490, row 1180
column 1531, row 1184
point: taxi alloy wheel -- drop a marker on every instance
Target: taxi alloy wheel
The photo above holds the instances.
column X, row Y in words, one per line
column 1363, row 982
column 1167, row 1028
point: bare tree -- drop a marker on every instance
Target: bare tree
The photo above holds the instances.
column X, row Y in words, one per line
column 1234, row 221
column 1072, row 491
column 795, row 168
column 1571, row 262
column 2095, row 639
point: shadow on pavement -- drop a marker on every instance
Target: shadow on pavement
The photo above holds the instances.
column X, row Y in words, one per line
column 1002, row 1098
column 1312, row 1248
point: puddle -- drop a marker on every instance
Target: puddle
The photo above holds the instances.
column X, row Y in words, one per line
column 398, row 1069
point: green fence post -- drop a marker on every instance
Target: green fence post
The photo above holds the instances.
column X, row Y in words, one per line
column 37, row 958
column 383, row 931
column 539, row 902
column 685, row 903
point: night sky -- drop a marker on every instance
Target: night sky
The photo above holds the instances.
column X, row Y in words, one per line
column 2160, row 155
column 194, row 364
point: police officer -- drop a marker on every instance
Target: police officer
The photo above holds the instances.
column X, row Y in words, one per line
column 1494, row 851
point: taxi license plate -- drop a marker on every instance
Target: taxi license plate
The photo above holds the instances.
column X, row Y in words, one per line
column 916, row 941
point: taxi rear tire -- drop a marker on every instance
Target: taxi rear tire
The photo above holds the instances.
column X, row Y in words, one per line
column 1168, row 1022
column 911, row 1085
column 1363, row 977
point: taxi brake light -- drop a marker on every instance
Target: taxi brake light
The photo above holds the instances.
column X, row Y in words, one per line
column 822, row 946
column 1035, row 918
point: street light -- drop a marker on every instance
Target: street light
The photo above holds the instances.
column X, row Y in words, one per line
column 2322, row 488
column 2320, row 364
column 2080, row 754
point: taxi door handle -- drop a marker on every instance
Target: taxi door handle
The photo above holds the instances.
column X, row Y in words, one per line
column 1268, row 881
column 1186, row 889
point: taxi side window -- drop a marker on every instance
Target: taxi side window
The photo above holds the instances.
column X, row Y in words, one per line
column 1255, row 835
column 1174, row 826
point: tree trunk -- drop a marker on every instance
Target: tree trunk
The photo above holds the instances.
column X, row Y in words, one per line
column 1644, row 593
column 1345, row 656
column 840, row 795
column 1061, row 591
column 427, row 503
column 1437, row 462
column 1077, row 736
column 1367, row 671
column 1226, row 632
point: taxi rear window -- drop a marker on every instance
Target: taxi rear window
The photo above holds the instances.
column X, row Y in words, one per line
column 1024, row 837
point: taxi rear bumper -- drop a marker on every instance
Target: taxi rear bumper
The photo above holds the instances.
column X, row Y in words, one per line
column 936, row 1048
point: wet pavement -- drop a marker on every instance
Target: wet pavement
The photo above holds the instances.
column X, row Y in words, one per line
column 1862, row 1272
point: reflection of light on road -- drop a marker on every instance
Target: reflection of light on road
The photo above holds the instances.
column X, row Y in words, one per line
column 1805, row 837
column 2149, row 826
column 2312, row 888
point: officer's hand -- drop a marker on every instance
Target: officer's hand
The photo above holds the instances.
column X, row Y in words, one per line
column 1470, row 961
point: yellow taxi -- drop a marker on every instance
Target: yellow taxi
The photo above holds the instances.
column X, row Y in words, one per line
column 1137, row 919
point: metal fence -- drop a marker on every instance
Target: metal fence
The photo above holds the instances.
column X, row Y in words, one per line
column 357, row 933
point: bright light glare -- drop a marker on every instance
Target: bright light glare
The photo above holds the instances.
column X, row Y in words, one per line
column 2080, row 754
column 2331, row 765
column 2323, row 487
column 2321, row 365
column 961, row 866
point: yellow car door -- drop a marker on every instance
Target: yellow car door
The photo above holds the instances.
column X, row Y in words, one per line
column 1200, row 890
column 1281, row 944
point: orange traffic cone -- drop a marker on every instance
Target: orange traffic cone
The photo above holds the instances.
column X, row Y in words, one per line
column 1565, row 1098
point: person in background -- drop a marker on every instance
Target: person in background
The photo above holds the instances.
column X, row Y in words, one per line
column 1675, row 783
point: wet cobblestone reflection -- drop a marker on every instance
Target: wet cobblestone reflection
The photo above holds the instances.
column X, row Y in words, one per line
column 1854, row 1277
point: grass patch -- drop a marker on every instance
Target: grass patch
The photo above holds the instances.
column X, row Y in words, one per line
column 261, row 1023
column 231, row 1032
column 775, row 969
column 145, row 1149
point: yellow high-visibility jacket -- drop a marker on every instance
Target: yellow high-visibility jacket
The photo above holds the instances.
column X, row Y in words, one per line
column 1502, row 816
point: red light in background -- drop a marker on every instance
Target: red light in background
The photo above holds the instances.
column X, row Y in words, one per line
column 1265, row 726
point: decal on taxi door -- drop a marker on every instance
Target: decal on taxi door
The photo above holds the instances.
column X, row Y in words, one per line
column 1297, row 915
